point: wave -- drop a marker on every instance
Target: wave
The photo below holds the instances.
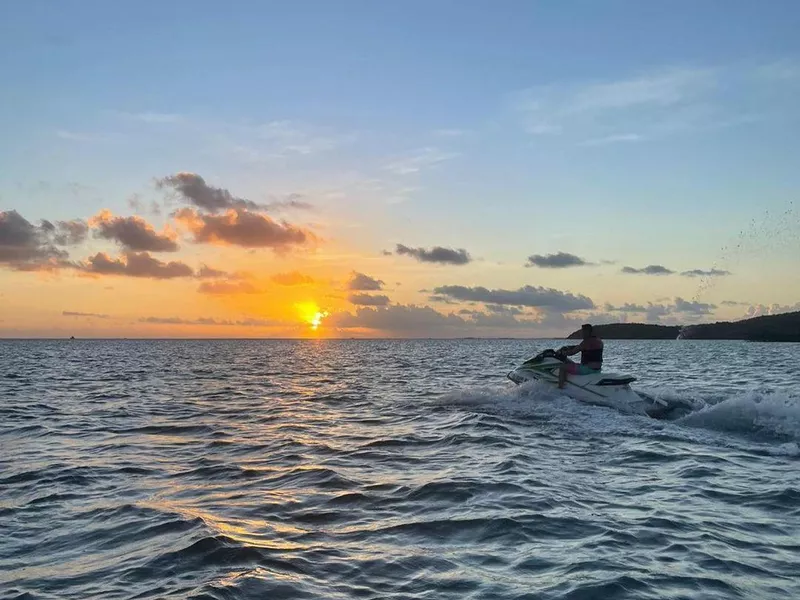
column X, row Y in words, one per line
column 770, row 416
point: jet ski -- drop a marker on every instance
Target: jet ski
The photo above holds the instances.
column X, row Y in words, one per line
column 602, row 389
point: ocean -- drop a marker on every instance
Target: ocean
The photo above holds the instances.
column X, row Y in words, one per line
column 393, row 469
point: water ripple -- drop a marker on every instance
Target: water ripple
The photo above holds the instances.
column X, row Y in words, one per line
column 380, row 469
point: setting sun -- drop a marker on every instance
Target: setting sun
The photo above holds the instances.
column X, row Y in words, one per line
column 317, row 320
column 311, row 314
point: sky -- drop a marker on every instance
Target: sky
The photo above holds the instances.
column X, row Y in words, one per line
column 407, row 169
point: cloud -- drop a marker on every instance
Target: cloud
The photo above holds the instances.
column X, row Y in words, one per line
column 560, row 260
column 450, row 132
column 152, row 117
column 240, row 227
column 626, row 308
column 132, row 233
column 613, row 139
column 424, row 321
column 227, row 288
column 664, row 88
column 206, row 272
column 481, row 319
column 693, row 307
column 506, row 317
column 249, row 322
column 656, row 312
column 500, row 309
column 654, row 104
column 734, row 303
column 648, row 270
column 418, row 160
column 75, row 136
column 277, row 140
column 608, row 106
column 292, row 278
column 368, row 299
column 168, row 320
column 441, row 299
column 709, row 273
column 293, row 201
column 782, row 71
column 27, row 247
column 530, row 296
column 134, row 264
column 762, row 310
column 136, row 204
column 66, row 233
column 359, row 282
column 396, row 319
column 292, row 137
column 437, row 254
column 193, row 189
column 69, row 313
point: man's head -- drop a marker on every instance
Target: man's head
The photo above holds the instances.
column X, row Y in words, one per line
column 586, row 330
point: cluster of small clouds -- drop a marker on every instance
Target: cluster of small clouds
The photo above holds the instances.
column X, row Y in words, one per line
column 764, row 310
column 215, row 216
column 218, row 217
column 530, row 296
column 132, row 233
column 657, row 312
column 662, row 270
column 593, row 114
column 565, row 260
column 28, row 247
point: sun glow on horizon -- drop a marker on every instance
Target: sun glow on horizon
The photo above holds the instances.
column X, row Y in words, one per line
column 317, row 320
column 311, row 313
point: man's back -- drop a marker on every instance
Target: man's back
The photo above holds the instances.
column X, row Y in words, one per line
column 592, row 352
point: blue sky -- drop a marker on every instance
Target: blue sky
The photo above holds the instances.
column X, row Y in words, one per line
column 641, row 133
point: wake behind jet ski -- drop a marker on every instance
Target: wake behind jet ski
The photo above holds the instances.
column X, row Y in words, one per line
column 599, row 388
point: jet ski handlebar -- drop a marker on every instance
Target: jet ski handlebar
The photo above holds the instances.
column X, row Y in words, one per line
column 550, row 353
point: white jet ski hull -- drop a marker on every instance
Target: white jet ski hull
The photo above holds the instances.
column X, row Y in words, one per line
column 600, row 389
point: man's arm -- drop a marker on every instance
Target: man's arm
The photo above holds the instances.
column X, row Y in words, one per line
column 570, row 350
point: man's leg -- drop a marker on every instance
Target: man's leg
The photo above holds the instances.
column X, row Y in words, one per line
column 566, row 367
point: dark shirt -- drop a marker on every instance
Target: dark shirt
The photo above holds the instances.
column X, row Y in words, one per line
column 591, row 350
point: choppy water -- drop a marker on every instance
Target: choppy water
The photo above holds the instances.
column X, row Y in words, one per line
column 392, row 469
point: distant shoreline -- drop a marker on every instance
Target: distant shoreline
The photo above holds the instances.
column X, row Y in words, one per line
column 771, row 328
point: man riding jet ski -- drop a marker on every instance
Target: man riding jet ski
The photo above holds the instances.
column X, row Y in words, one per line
column 586, row 381
column 591, row 349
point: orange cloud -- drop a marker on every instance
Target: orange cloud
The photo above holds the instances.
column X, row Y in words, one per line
column 293, row 278
column 135, row 264
column 132, row 233
column 241, row 227
column 227, row 288
column 363, row 283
